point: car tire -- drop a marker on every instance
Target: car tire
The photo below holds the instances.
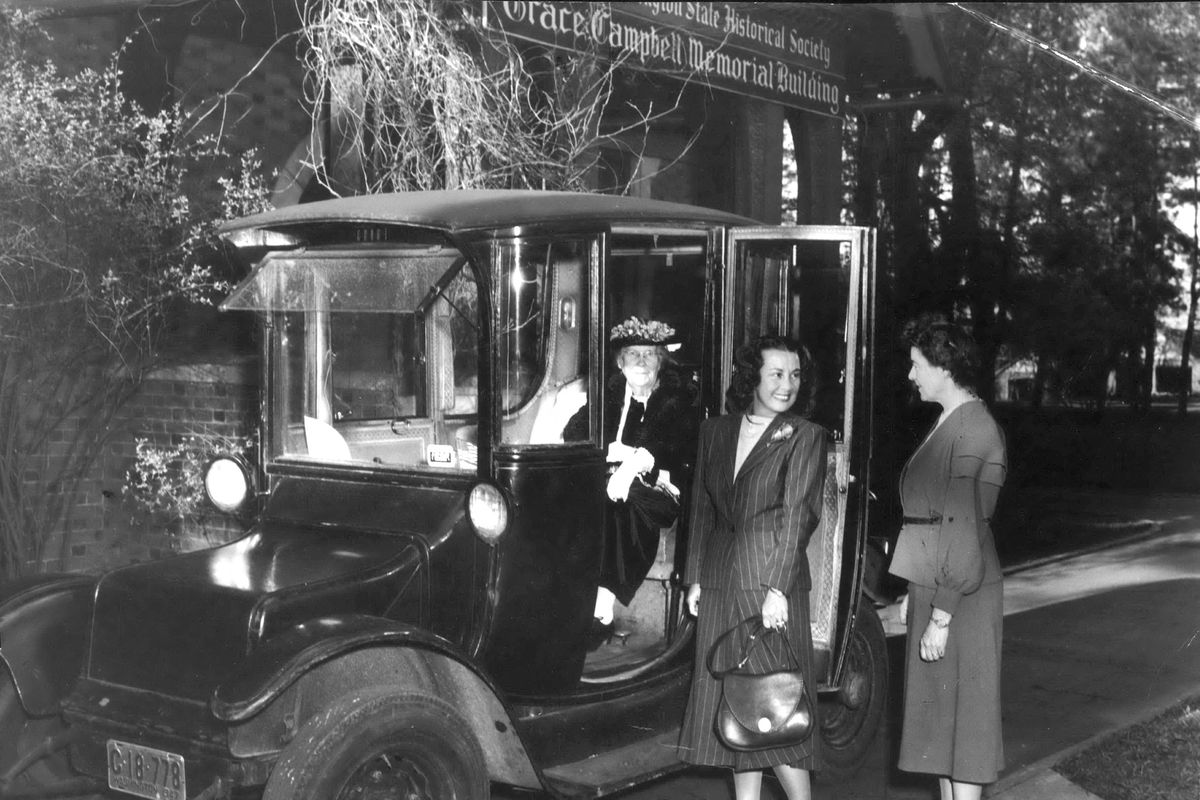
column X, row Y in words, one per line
column 850, row 719
column 386, row 744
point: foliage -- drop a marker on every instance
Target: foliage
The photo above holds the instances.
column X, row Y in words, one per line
column 169, row 481
column 425, row 98
column 1037, row 209
column 789, row 201
column 105, row 232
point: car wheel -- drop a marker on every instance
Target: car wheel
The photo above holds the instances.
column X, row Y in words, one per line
column 382, row 744
column 23, row 734
column 850, row 720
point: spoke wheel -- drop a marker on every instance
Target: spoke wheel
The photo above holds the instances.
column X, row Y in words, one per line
column 850, row 720
column 21, row 735
column 381, row 744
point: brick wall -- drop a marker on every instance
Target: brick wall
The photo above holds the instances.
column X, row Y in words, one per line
column 263, row 96
column 103, row 529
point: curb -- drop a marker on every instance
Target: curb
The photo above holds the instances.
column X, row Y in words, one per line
column 1045, row 785
column 1008, row 787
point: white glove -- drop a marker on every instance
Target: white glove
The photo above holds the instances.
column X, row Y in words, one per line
column 620, row 480
column 619, row 453
column 642, row 460
column 664, row 483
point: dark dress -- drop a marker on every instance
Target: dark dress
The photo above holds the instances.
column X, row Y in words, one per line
column 947, row 552
column 666, row 427
column 749, row 533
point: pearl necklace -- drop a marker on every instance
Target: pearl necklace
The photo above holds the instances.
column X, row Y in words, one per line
column 753, row 428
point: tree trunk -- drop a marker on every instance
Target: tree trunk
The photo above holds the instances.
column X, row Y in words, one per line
column 1037, row 395
column 1185, row 354
column 966, row 246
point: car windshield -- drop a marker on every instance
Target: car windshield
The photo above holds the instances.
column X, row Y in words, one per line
column 367, row 281
column 375, row 355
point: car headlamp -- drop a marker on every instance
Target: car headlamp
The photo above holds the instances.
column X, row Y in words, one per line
column 227, row 482
column 488, row 512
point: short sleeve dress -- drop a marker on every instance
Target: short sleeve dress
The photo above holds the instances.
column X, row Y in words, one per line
column 947, row 552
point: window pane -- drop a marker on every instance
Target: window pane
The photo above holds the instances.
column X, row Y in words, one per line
column 541, row 347
column 364, row 280
column 660, row 277
column 762, row 269
column 820, row 290
column 393, row 390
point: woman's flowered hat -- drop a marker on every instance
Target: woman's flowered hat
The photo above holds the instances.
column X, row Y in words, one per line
column 637, row 331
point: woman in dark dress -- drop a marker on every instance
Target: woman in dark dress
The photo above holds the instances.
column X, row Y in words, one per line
column 756, row 500
column 650, row 422
column 947, row 553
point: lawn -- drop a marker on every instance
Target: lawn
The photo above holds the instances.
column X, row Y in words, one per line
column 1156, row 760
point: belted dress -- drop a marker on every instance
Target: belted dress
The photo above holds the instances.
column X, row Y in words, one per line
column 947, row 553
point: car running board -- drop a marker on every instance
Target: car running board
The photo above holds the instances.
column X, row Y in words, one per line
column 614, row 770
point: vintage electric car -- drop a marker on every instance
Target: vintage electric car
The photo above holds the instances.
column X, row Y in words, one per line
column 409, row 613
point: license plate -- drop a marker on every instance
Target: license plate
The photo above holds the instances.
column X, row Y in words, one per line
column 145, row 772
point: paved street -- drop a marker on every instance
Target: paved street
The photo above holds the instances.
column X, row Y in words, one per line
column 1092, row 643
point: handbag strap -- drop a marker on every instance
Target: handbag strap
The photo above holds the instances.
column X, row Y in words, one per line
column 755, row 636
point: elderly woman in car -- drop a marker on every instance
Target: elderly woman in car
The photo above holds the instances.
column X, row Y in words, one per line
column 650, row 427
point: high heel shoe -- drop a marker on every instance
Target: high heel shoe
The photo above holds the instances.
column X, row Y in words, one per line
column 599, row 634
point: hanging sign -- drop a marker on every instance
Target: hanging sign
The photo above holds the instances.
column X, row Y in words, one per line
column 774, row 52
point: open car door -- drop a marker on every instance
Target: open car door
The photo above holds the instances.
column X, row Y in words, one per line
column 816, row 284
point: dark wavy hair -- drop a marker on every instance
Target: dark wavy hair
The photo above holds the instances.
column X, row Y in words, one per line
column 947, row 345
column 747, row 366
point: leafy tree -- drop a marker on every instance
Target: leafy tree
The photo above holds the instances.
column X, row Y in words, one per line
column 1044, row 189
column 105, row 232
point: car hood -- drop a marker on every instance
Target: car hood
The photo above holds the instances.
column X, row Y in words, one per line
column 178, row 626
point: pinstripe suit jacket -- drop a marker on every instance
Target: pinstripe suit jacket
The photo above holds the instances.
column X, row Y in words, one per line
column 752, row 531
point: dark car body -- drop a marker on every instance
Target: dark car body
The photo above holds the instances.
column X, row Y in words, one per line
column 422, row 528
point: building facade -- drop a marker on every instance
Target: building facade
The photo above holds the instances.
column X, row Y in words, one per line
column 734, row 75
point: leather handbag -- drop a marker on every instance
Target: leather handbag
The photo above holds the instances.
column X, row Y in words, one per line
column 764, row 710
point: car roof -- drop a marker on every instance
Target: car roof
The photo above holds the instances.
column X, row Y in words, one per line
column 471, row 209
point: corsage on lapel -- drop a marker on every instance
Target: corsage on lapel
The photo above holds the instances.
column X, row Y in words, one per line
column 782, row 433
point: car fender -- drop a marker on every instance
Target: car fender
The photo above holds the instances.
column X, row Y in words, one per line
column 303, row 671
column 43, row 637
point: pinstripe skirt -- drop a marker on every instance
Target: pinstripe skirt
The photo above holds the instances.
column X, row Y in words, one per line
column 720, row 610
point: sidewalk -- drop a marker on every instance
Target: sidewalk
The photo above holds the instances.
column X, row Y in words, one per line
column 1080, row 662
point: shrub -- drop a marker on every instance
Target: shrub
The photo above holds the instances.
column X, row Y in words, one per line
column 106, row 234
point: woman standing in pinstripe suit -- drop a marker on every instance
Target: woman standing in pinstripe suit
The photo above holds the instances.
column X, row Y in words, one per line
column 756, row 500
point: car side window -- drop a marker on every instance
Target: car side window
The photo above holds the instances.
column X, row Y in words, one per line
column 542, row 342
